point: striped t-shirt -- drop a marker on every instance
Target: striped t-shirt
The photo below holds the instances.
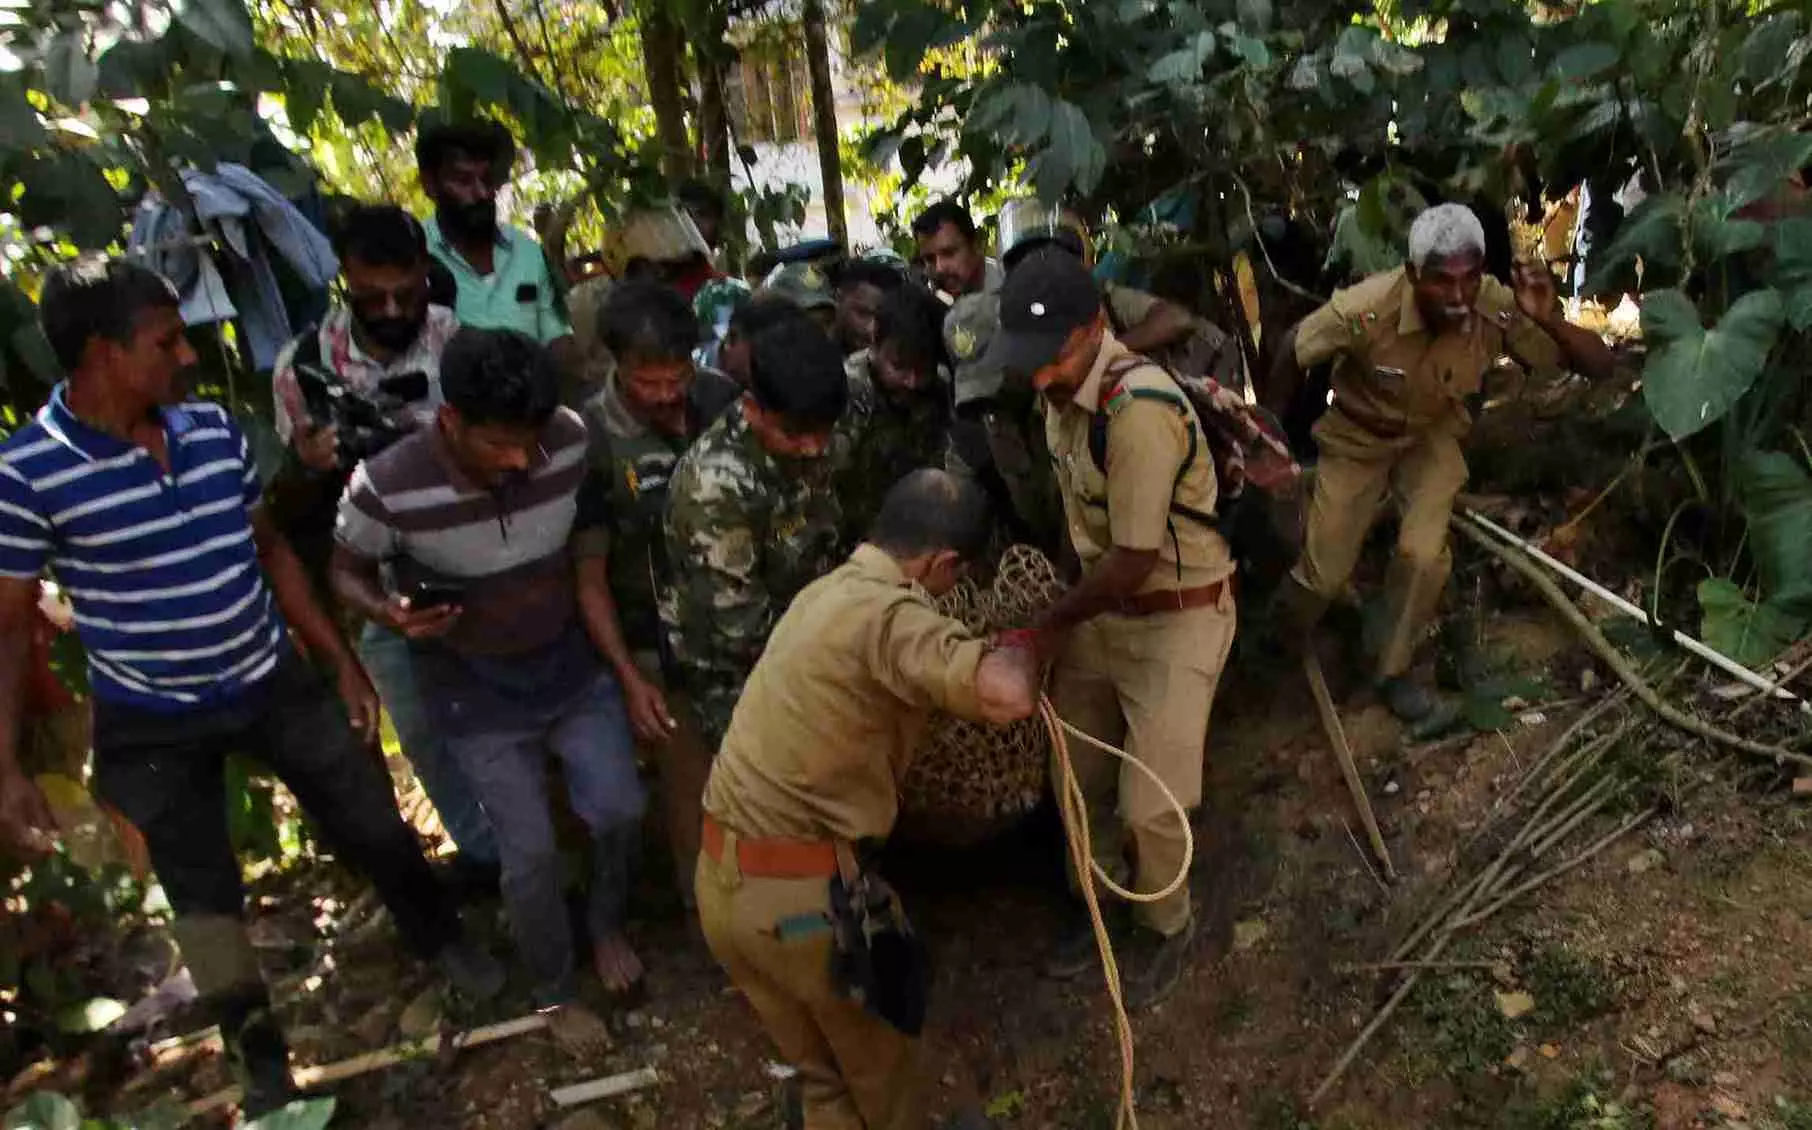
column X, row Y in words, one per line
column 162, row 569
column 509, row 548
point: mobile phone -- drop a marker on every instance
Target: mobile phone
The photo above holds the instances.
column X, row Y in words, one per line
column 435, row 594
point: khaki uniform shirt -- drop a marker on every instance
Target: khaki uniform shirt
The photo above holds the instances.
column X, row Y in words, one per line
column 837, row 704
column 1129, row 504
column 1394, row 376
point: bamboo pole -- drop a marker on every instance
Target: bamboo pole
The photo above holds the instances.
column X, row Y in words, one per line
column 1330, row 721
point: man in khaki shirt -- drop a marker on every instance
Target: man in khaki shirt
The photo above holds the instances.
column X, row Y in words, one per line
column 1145, row 633
column 807, row 782
column 1409, row 347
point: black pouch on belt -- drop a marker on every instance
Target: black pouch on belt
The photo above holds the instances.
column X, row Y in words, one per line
column 877, row 961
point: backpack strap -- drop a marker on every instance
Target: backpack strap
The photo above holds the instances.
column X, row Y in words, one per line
column 1116, row 396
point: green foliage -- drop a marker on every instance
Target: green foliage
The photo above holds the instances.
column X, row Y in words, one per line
column 1459, row 1030
column 1577, row 1107
column 1750, row 632
column 1569, row 989
column 48, row 1110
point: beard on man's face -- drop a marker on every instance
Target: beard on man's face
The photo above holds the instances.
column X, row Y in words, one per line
column 474, row 220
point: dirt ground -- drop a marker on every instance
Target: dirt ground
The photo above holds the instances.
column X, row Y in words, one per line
column 1666, row 981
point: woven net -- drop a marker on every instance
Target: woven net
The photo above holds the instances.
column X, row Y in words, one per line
column 968, row 781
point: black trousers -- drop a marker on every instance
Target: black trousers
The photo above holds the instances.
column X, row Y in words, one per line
column 166, row 774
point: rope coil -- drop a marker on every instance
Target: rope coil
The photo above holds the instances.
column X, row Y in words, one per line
column 1074, row 807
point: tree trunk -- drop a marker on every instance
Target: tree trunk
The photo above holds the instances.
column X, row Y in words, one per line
column 824, row 118
column 709, row 58
column 661, row 47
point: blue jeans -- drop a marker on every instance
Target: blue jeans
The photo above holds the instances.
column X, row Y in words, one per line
column 507, row 766
column 386, row 657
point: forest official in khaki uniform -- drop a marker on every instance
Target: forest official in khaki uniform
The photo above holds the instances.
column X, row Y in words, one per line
column 1142, row 637
column 806, row 787
column 1409, row 348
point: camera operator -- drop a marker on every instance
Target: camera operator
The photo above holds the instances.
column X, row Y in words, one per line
column 369, row 375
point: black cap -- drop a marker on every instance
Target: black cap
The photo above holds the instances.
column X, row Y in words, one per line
column 1048, row 296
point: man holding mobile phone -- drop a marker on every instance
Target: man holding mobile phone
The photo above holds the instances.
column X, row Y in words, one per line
column 496, row 554
column 377, row 353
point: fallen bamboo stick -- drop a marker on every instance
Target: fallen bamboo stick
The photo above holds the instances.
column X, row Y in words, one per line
column 1617, row 661
column 330, row 1073
column 1561, row 868
column 1390, row 966
column 608, row 1087
column 1330, row 721
column 1478, row 884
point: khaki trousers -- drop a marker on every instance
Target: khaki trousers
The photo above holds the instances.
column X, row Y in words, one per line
column 684, row 763
column 1352, row 482
column 773, row 937
column 1145, row 684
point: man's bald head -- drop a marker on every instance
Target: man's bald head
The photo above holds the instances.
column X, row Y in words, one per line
column 930, row 512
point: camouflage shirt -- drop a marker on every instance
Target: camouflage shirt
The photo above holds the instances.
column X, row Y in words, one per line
column 883, row 436
column 635, row 465
column 745, row 532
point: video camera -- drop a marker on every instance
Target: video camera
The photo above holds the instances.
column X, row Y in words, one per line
column 364, row 424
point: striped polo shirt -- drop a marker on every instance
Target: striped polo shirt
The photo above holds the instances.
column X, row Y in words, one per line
column 162, row 569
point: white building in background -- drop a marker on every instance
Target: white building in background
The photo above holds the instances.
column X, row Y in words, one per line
column 770, row 96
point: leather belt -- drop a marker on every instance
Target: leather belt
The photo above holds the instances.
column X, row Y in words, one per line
column 1173, row 600
column 772, row 857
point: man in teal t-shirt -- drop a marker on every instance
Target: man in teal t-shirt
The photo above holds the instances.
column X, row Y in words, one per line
column 502, row 276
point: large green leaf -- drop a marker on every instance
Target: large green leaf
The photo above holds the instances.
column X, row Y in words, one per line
column 1769, row 48
column 1750, row 632
column 484, row 76
column 1254, row 16
column 69, row 74
column 1074, row 138
column 1015, row 115
column 224, row 24
column 306, row 92
column 45, row 1110
column 1716, row 235
column 1776, row 496
column 1694, row 375
column 1586, row 60
column 1793, row 269
column 1184, row 64
column 1655, row 232
column 1765, row 162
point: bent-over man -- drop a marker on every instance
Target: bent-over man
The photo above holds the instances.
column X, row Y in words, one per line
column 806, row 789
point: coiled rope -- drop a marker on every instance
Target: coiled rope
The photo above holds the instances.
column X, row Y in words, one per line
column 1074, row 807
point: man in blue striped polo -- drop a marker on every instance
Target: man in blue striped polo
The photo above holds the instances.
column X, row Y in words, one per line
column 145, row 507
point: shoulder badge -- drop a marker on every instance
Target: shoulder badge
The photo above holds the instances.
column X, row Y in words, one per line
column 962, row 342
column 1503, row 318
column 811, row 278
column 1116, row 398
